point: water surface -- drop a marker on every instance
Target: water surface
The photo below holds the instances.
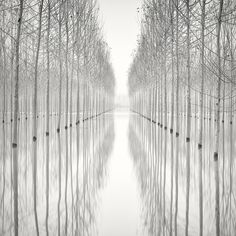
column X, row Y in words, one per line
column 112, row 175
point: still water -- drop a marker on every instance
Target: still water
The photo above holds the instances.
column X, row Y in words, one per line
column 113, row 176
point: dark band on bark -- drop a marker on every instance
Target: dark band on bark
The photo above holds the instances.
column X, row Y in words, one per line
column 70, row 125
column 199, row 146
column 215, row 156
column 177, row 134
column 171, row 131
column 58, row 130
column 187, row 140
column 14, row 145
column 47, row 134
column 165, row 128
column 34, row 139
column 231, row 122
column 66, row 127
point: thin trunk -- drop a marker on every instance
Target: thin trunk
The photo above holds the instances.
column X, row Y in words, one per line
column 231, row 127
column 201, row 117
column 172, row 116
column 77, row 129
column 71, row 120
column 67, row 111
column 15, row 125
column 35, row 110
column 47, row 118
column 217, row 132
column 188, row 118
column 60, row 68
column 177, row 121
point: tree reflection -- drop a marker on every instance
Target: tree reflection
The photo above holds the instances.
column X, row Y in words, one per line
column 71, row 169
column 154, row 155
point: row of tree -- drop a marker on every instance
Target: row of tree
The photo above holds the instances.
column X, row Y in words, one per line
column 54, row 61
column 78, row 164
column 156, row 187
column 185, row 65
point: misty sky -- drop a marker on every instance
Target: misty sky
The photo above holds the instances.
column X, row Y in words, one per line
column 120, row 22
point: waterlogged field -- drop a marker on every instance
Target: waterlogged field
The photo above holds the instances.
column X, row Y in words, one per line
column 163, row 187
column 116, row 174
column 78, row 159
column 72, row 164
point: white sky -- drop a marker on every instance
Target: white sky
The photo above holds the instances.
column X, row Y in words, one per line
column 120, row 27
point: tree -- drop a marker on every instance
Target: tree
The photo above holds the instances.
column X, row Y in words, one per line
column 16, row 113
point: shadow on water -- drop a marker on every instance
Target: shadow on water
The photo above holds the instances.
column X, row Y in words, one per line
column 153, row 151
column 71, row 169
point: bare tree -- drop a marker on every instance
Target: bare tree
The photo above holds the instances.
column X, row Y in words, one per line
column 15, row 120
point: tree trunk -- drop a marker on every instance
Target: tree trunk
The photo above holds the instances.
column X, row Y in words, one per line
column 201, row 117
column 188, row 117
column 60, row 68
column 172, row 115
column 67, row 111
column 35, row 110
column 177, row 121
column 47, row 118
column 217, row 132
column 15, row 125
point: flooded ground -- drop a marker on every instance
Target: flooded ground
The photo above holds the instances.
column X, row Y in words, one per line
column 114, row 175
